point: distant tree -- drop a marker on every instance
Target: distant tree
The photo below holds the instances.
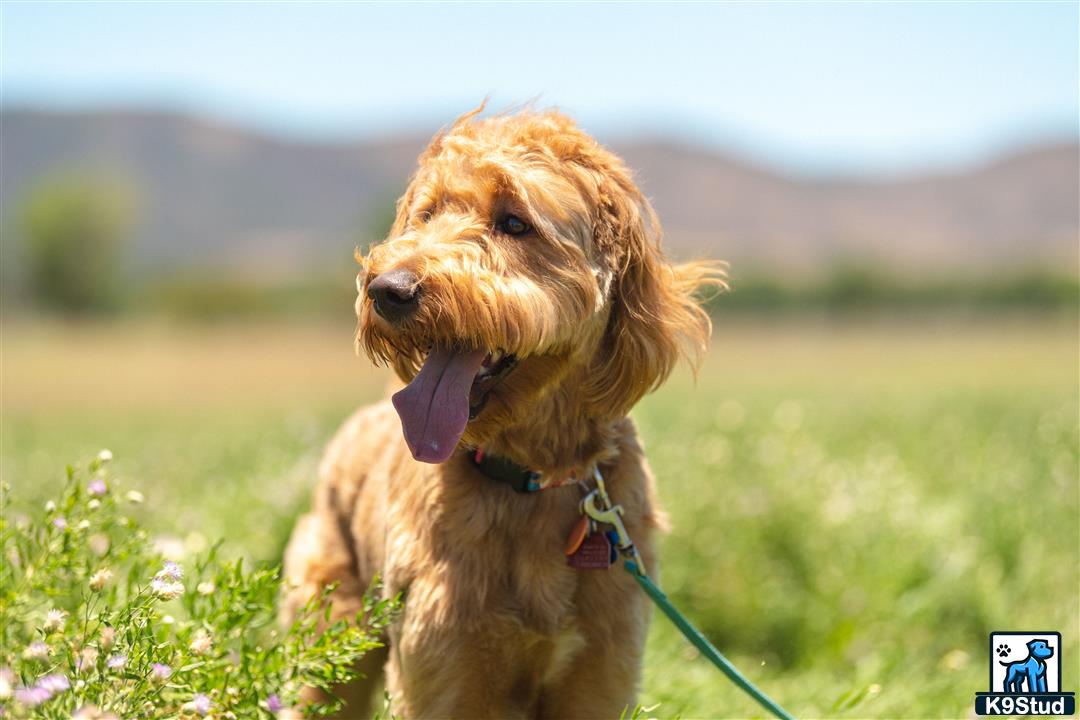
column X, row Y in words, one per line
column 75, row 230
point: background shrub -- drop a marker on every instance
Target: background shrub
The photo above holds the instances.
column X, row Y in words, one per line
column 74, row 232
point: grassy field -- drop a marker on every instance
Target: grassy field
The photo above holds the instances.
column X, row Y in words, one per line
column 854, row 507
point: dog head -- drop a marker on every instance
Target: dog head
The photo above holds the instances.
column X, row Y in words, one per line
column 522, row 257
column 1040, row 649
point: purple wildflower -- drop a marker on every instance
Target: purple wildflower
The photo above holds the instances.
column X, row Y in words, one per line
column 273, row 704
column 161, row 671
column 171, row 571
column 60, row 523
column 36, row 651
column 117, row 661
column 201, row 704
column 97, row 488
column 55, row 684
column 32, row 697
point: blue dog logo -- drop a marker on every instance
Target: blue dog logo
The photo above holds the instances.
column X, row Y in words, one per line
column 1031, row 686
column 1030, row 670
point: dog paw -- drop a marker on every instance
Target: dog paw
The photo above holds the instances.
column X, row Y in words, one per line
column 1003, row 650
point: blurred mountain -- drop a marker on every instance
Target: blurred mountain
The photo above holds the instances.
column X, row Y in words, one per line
column 1018, row 212
column 214, row 196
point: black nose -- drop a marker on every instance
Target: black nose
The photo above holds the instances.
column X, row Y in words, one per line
column 395, row 293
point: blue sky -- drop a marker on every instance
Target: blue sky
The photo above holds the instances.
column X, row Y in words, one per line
column 860, row 87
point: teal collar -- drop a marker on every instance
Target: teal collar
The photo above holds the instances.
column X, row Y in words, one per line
column 505, row 470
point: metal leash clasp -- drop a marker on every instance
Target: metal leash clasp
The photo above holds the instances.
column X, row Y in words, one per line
column 598, row 507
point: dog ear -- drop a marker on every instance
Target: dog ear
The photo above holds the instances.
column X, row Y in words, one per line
column 655, row 311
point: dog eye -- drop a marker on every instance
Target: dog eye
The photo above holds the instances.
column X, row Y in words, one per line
column 513, row 225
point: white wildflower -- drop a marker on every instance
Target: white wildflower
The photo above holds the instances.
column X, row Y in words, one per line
column 135, row 497
column 166, row 584
column 86, row 660
column 166, row 590
column 201, row 644
column 108, row 637
column 54, row 620
column 205, row 588
column 105, row 455
column 99, row 579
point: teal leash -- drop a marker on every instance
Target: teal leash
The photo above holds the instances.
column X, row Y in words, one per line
column 702, row 643
column 597, row 506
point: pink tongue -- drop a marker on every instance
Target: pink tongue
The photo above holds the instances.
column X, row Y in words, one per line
column 434, row 407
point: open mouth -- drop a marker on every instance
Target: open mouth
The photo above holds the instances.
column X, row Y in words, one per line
column 451, row 388
column 496, row 366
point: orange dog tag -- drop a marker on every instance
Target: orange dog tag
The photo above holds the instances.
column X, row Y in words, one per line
column 577, row 535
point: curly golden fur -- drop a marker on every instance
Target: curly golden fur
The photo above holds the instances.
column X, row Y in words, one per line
column 495, row 623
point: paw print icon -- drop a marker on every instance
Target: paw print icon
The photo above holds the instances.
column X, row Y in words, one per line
column 1003, row 650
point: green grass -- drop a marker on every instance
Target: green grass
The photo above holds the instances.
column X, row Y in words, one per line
column 853, row 508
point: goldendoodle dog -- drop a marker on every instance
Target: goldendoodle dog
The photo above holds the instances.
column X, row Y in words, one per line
column 523, row 298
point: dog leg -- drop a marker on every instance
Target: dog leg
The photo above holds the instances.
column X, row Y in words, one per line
column 456, row 671
column 1033, row 679
column 602, row 679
